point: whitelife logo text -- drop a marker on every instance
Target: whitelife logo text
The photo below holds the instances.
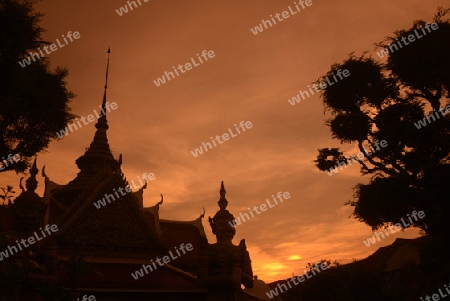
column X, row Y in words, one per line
column 321, row 86
column 355, row 158
column 27, row 61
column 165, row 260
column 284, row 15
column 296, row 280
column 411, row 38
column 397, row 227
column 124, row 9
column 90, row 118
column 225, row 137
column 188, row 66
column 262, row 207
column 23, row 242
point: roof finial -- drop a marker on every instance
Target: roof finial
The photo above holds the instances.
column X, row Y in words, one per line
column 106, row 85
column 223, row 203
column 31, row 182
column 102, row 123
column 99, row 155
column 203, row 214
column 20, row 184
column 222, row 190
column 160, row 202
column 43, row 172
column 107, row 69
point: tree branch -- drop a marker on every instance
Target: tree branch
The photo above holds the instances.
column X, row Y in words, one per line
column 377, row 164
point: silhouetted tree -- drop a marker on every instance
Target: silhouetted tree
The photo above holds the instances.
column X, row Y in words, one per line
column 7, row 194
column 33, row 99
column 385, row 101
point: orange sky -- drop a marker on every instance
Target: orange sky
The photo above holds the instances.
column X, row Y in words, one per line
column 249, row 79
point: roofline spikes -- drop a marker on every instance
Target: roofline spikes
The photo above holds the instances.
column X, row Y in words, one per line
column 160, row 202
column 203, row 214
column 43, row 172
column 21, row 185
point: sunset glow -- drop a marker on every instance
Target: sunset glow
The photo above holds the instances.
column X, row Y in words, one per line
column 157, row 126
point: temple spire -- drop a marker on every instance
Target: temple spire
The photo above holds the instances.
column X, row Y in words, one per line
column 102, row 120
column 222, row 221
column 99, row 153
column 107, row 69
column 223, row 203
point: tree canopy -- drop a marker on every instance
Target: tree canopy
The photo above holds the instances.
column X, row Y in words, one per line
column 385, row 100
column 33, row 99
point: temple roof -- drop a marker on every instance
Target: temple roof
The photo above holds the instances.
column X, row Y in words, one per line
column 197, row 223
column 152, row 216
column 122, row 224
column 97, row 157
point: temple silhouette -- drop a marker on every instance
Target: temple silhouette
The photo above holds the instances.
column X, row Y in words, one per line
column 96, row 250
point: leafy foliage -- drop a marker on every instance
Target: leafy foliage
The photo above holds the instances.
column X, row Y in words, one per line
column 384, row 101
column 33, row 100
column 7, row 194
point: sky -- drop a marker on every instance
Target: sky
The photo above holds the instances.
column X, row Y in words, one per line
column 249, row 78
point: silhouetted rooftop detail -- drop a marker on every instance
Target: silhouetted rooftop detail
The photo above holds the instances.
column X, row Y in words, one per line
column 28, row 207
column 224, row 267
column 99, row 154
column 160, row 202
column 31, row 182
column 223, row 215
column 223, row 203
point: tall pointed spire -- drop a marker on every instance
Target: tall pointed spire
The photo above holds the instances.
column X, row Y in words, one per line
column 223, row 202
column 106, row 82
column 99, row 153
column 223, row 219
column 107, row 69
column 102, row 122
